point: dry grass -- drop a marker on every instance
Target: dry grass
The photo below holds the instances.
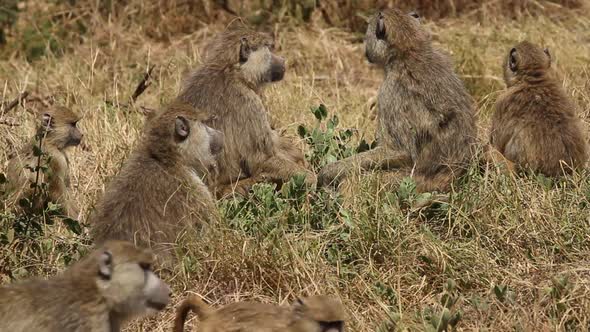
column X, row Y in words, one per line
column 390, row 266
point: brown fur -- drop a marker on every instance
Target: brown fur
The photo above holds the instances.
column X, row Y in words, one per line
column 159, row 192
column 425, row 116
column 535, row 124
column 231, row 89
column 313, row 314
column 57, row 127
column 97, row 294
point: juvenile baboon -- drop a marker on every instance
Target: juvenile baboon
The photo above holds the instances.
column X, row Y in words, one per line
column 56, row 132
column 425, row 117
column 99, row 293
column 312, row 314
column 239, row 62
column 535, row 125
column 160, row 192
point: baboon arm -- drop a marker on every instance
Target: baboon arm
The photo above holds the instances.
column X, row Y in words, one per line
column 278, row 168
column 380, row 158
column 493, row 156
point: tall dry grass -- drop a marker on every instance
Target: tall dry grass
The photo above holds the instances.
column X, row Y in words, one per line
column 506, row 253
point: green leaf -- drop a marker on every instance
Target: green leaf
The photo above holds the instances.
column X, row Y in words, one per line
column 3, row 178
column 37, row 152
column 73, row 225
column 302, row 131
column 323, row 111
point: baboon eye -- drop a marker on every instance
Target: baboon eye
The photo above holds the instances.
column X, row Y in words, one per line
column 512, row 60
column 380, row 29
column 244, row 49
column 47, row 121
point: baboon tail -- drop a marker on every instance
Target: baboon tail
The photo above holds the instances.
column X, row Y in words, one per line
column 194, row 304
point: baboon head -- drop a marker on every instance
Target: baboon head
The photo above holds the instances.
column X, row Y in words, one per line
column 180, row 136
column 59, row 127
column 392, row 34
column 318, row 313
column 249, row 52
column 525, row 59
column 125, row 279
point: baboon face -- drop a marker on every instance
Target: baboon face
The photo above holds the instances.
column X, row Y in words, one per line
column 392, row 33
column 126, row 279
column 59, row 125
column 198, row 142
column 525, row 59
column 257, row 62
column 319, row 313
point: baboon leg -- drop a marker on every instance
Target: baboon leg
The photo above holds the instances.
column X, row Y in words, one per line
column 493, row 156
column 379, row 158
column 291, row 151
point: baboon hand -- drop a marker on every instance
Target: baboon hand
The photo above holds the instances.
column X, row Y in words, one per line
column 330, row 175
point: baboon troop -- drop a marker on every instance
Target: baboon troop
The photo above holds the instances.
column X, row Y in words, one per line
column 312, row 314
column 425, row 117
column 535, row 125
column 214, row 140
column 101, row 292
column 238, row 63
column 161, row 189
column 44, row 160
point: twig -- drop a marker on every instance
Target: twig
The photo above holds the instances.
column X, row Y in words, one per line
column 9, row 122
column 143, row 84
column 146, row 111
column 16, row 102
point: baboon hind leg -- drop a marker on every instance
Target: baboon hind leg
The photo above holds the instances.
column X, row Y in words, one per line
column 491, row 155
column 380, row 158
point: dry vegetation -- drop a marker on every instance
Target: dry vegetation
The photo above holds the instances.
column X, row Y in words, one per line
column 505, row 253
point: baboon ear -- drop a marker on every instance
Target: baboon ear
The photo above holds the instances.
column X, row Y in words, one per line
column 512, row 60
column 380, row 29
column 182, row 127
column 105, row 265
column 546, row 50
column 46, row 120
column 244, row 49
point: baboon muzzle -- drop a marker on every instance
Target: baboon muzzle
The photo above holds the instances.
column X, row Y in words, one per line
column 277, row 69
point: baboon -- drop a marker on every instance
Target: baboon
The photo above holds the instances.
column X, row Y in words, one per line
column 312, row 314
column 160, row 192
column 56, row 132
column 535, row 125
column 239, row 62
column 99, row 293
column 425, row 117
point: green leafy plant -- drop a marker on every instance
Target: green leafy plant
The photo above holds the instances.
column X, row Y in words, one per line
column 326, row 141
column 34, row 212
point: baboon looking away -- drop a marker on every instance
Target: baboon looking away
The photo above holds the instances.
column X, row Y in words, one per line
column 425, row 117
column 318, row 313
column 57, row 131
column 99, row 293
column 535, row 124
column 239, row 62
column 159, row 192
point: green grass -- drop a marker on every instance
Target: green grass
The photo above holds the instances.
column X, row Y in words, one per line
column 504, row 254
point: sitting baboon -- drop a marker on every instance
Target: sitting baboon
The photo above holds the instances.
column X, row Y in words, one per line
column 311, row 314
column 535, row 125
column 425, row 117
column 47, row 166
column 159, row 192
column 239, row 62
column 101, row 292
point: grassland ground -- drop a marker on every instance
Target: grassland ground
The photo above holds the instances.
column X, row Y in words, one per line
column 505, row 253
